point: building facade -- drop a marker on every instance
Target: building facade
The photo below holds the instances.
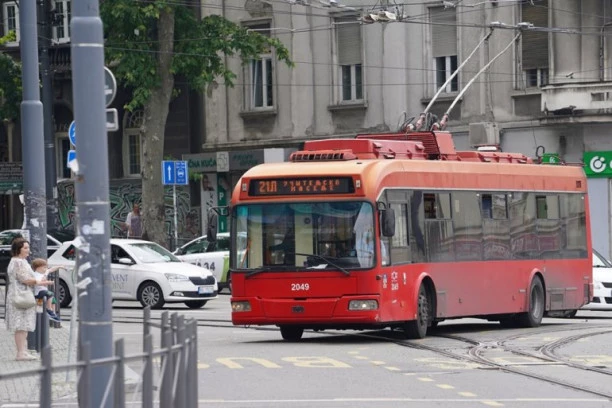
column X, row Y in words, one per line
column 360, row 69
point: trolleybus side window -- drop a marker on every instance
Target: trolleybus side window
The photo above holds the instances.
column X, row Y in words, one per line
column 495, row 227
column 467, row 226
column 400, row 253
column 574, row 223
column 417, row 226
column 439, row 229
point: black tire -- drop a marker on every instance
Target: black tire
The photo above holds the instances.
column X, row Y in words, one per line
column 150, row 294
column 291, row 333
column 537, row 304
column 195, row 304
column 63, row 295
column 417, row 329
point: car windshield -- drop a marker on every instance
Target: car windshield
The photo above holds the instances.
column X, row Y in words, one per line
column 322, row 235
column 599, row 261
column 150, row 252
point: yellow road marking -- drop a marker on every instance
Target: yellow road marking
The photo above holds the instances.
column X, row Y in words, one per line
column 425, row 379
column 361, row 357
column 375, row 362
column 445, row 386
column 493, row 403
column 353, row 352
column 467, row 394
column 393, row 368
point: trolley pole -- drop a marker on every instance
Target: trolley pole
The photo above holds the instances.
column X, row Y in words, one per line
column 32, row 131
column 92, row 200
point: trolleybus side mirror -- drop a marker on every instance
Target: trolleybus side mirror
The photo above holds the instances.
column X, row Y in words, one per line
column 388, row 222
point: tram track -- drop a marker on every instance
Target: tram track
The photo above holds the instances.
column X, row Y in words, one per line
column 477, row 350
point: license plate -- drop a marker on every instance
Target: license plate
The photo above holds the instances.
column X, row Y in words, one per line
column 204, row 289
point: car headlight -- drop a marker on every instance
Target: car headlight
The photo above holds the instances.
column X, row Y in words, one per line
column 363, row 304
column 175, row 277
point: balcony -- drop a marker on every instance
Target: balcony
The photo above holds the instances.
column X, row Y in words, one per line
column 591, row 98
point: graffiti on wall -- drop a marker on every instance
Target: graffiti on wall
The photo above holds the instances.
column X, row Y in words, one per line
column 123, row 195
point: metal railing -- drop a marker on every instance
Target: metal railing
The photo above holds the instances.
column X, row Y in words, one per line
column 169, row 375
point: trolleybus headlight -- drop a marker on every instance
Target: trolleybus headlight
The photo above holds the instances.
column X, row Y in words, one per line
column 243, row 306
column 363, row 305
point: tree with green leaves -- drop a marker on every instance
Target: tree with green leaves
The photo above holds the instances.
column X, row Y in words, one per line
column 10, row 83
column 148, row 44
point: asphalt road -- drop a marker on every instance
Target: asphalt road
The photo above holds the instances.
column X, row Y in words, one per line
column 464, row 363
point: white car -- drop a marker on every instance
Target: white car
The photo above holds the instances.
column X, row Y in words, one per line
column 602, row 284
column 142, row 271
column 210, row 255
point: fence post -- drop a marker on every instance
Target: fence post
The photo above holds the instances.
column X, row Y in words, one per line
column 120, row 375
column 181, row 363
column 45, row 378
column 147, row 375
column 193, row 361
column 165, row 392
column 84, row 396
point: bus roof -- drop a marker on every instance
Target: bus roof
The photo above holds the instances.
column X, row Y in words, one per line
column 417, row 170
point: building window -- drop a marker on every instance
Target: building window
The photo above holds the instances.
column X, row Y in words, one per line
column 534, row 55
column 259, row 91
column 444, row 47
column 10, row 13
column 132, row 144
column 261, row 83
column 61, row 31
column 348, row 42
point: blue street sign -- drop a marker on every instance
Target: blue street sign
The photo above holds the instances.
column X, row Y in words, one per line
column 71, row 156
column 175, row 172
column 168, row 172
column 181, row 173
column 72, row 133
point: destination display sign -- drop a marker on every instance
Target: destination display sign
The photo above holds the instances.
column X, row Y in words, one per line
column 302, row 186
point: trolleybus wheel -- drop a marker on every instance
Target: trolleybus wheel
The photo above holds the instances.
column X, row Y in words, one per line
column 291, row 333
column 533, row 318
column 417, row 329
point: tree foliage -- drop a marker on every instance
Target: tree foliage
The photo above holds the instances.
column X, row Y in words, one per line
column 10, row 83
column 148, row 44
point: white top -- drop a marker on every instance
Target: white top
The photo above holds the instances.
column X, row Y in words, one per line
column 38, row 288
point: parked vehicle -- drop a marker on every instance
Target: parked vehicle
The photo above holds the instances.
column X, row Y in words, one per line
column 209, row 255
column 143, row 271
column 55, row 237
column 602, row 284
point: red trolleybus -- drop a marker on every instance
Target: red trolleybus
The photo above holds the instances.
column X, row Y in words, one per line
column 403, row 231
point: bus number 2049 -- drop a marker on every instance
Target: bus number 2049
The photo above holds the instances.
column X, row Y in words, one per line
column 300, row 286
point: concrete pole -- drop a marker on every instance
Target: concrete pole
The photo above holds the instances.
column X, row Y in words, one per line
column 92, row 198
column 32, row 132
column 46, row 77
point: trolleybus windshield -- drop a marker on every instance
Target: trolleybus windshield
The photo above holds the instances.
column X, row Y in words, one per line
column 337, row 235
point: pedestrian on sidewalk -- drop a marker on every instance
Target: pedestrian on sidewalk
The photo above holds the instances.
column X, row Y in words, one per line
column 41, row 291
column 133, row 223
column 21, row 277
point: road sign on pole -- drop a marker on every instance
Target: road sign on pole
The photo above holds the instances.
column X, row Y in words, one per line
column 70, row 158
column 181, row 173
column 72, row 133
column 110, row 86
column 168, row 172
column 175, row 172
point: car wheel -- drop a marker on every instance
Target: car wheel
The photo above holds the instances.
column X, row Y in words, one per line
column 63, row 295
column 195, row 304
column 291, row 333
column 570, row 313
column 150, row 294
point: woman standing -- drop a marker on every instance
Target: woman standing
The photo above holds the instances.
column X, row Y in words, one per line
column 20, row 274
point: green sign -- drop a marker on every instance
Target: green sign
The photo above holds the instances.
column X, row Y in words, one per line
column 551, row 158
column 598, row 164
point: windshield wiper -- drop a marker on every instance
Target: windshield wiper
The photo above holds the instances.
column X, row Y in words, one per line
column 346, row 272
column 265, row 269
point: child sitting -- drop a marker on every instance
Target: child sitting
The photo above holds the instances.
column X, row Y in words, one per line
column 40, row 271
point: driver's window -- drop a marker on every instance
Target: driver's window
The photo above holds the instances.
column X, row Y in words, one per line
column 117, row 253
column 197, row 247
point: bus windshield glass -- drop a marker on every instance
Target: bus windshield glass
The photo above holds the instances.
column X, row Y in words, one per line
column 335, row 235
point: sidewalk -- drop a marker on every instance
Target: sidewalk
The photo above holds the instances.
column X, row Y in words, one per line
column 27, row 389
